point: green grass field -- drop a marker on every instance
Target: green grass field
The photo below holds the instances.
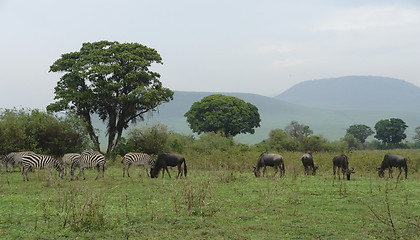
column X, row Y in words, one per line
column 220, row 199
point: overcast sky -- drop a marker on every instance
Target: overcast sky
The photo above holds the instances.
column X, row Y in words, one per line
column 261, row 47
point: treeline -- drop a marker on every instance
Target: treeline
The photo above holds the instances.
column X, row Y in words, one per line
column 34, row 130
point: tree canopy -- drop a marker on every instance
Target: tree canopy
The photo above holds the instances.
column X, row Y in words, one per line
column 298, row 131
column 24, row 130
column 360, row 132
column 390, row 131
column 226, row 114
column 112, row 80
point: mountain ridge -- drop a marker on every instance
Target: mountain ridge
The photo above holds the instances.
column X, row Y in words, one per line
column 276, row 114
column 355, row 93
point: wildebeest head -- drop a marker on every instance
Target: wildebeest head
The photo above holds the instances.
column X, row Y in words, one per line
column 348, row 172
column 314, row 171
column 153, row 173
column 257, row 173
column 381, row 172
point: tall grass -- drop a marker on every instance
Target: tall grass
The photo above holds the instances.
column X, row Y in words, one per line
column 220, row 199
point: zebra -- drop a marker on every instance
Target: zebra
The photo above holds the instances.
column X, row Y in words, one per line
column 88, row 159
column 68, row 159
column 33, row 160
column 15, row 158
column 137, row 159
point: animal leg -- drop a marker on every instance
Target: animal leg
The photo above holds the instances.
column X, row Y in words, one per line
column 98, row 171
column 143, row 167
column 24, row 171
column 179, row 171
column 147, row 171
column 167, row 172
column 276, row 169
column 128, row 170
column 124, row 170
column 390, row 172
column 400, row 172
column 82, row 172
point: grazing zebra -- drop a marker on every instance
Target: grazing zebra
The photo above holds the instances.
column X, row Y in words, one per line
column 137, row 159
column 15, row 159
column 68, row 159
column 88, row 159
column 33, row 160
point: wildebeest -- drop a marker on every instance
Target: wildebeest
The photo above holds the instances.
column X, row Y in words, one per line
column 341, row 162
column 272, row 160
column 390, row 161
column 168, row 159
column 308, row 163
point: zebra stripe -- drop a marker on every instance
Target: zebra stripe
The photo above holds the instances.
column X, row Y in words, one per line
column 68, row 159
column 89, row 159
column 14, row 159
column 33, row 160
column 137, row 159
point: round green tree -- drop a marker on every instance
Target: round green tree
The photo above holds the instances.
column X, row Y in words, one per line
column 225, row 114
column 391, row 131
column 360, row 132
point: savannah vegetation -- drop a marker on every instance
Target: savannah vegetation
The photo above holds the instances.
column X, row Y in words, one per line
column 221, row 198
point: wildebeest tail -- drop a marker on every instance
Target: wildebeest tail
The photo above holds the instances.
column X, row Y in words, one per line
column 185, row 168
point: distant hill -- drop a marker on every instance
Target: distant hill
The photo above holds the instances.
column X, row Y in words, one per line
column 356, row 93
column 276, row 113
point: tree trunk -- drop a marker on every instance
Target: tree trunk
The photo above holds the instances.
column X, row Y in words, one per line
column 91, row 132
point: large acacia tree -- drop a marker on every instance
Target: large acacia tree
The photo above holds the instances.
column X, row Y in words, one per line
column 112, row 80
column 223, row 114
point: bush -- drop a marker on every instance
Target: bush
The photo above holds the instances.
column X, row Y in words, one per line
column 149, row 139
column 40, row 132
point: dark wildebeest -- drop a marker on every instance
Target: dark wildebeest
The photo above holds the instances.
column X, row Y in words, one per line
column 390, row 161
column 308, row 163
column 341, row 162
column 168, row 159
column 272, row 160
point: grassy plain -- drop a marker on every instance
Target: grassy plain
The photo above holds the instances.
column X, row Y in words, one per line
column 220, row 199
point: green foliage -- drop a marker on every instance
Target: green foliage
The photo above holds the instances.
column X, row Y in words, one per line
column 179, row 143
column 353, row 143
column 360, row 132
column 149, row 139
column 278, row 141
column 209, row 141
column 226, row 114
column 390, row 131
column 298, row 131
column 314, row 144
column 417, row 136
column 112, row 80
column 41, row 132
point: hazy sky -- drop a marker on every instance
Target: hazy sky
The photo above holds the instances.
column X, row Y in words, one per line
column 261, row 47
